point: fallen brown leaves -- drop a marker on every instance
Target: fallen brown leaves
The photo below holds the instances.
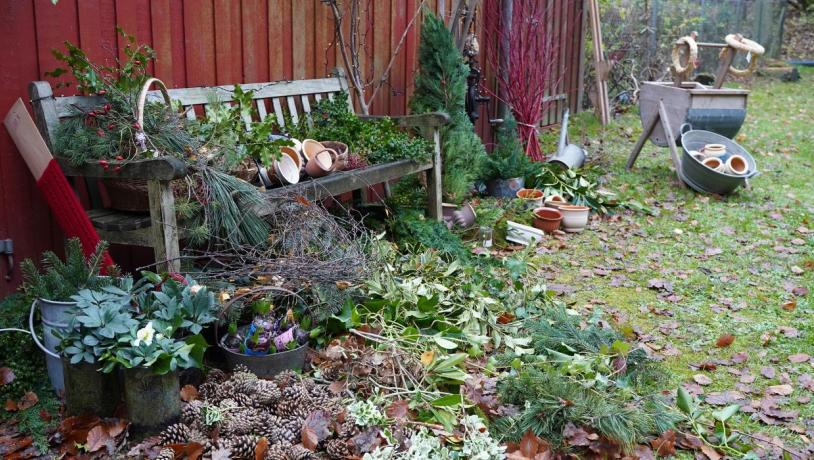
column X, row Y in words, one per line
column 100, row 437
column 725, row 341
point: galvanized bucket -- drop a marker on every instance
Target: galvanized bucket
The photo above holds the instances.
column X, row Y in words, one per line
column 267, row 366
column 702, row 178
column 55, row 317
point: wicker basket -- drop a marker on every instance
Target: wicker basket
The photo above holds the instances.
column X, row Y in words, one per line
column 131, row 194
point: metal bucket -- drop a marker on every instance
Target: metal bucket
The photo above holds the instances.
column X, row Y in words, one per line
column 267, row 366
column 706, row 180
column 504, row 188
column 54, row 317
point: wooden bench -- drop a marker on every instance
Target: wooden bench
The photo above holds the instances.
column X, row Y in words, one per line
column 284, row 100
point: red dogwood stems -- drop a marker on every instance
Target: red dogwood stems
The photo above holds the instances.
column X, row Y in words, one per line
column 531, row 61
column 68, row 211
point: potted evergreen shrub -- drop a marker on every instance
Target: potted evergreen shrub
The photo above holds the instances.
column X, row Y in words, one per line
column 267, row 339
column 507, row 166
column 52, row 288
column 149, row 330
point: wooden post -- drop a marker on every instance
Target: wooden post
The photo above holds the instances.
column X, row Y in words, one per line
column 164, row 227
column 671, row 141
column 601, row 66
column 723, row 67
column 503, row 59
column 434, row 197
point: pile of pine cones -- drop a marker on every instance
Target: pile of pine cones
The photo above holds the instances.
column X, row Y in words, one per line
column 233, row 413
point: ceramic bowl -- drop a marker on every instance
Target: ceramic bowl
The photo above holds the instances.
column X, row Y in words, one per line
column 737, row 165
column 286, row 171
column 574, row 218
column 547, row 219
column 714, row 163
column 294, row 155
column 321, row 163
column 310, row 148
column 531, row 196
column 341, row 150
column 465, row 216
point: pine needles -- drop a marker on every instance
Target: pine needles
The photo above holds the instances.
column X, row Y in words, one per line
column 60, row 280
column 226, row 212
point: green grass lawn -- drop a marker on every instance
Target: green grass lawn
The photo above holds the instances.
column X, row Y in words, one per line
column 733, row 262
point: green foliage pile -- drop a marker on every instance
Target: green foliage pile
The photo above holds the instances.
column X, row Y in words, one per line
column 440, row 85
column 584, row 376
column 508, row 160
column 60, row 280
column 410, row 227
column 377, row 141
column 576, row 186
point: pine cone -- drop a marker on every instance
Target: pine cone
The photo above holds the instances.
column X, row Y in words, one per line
column 298, row 452
column 242, row 447
column 208, row 391
column 216, row 376
column 266, row 393
column 276, row 452
column 166, row 454
column 331, row 372
column 191, row 413
column 177, row 433
column 243, row 399
column 338, row 449
column 242, row 422
column 286, row 431
column 347, row 429
column 286, row 377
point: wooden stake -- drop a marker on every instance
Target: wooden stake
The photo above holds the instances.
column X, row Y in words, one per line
column 601, row 66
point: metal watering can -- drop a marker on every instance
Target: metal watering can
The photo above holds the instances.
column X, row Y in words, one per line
column 570, row 156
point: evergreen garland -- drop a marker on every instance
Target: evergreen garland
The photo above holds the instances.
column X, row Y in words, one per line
column 440, row 85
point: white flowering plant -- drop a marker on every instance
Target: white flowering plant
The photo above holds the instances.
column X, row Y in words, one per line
column 155, row 324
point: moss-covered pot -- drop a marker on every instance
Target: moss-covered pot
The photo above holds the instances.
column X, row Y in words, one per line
column 90, row 391
column 153, row 401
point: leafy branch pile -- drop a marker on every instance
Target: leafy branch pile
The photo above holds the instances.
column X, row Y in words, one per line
column 575, row 186
column 582, row 377
column 373, row 141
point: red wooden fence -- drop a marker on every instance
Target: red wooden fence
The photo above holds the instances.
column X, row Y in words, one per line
column 208, row 42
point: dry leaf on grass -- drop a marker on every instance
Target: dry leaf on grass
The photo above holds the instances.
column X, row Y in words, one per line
column 6, row 376
column 725, row 340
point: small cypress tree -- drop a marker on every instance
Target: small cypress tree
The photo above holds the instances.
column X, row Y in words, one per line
column 440, row 85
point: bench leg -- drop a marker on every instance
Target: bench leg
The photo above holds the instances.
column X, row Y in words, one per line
column 434, row 197
column 164, row 227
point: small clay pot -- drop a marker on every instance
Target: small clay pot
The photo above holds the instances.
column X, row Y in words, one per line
column 699, row 157
column 285, row 170
column 737, row 166
column 714, row 163
column 321, row 163
column 714, row 150
column 574, row 218
column 555, row 201
column 310, row 148
column 465, row 216
column 532, row 197
column 547, row 219
column 341, row 150
column 292, row 152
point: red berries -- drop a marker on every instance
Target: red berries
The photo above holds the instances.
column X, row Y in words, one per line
column 104, row 164
column 107, row 108
column 119, row 157
column 136, row 126
column 102, row 92
column 117, row 169
column 100, row 133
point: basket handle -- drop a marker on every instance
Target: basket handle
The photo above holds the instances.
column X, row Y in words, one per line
column 142, row 98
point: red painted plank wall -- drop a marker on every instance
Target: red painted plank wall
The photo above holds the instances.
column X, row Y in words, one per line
column 209, row 42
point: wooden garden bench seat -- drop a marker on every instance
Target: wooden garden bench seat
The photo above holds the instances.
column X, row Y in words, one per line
column 283, row 100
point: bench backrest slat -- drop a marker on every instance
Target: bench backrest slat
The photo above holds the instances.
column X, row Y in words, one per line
column 298, row 96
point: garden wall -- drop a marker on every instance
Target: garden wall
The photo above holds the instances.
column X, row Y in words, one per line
column 208, row 42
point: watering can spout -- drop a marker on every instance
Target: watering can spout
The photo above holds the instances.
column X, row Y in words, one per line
column 568, row 155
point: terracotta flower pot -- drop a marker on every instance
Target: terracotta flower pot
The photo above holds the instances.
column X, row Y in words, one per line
column 341, row 150
column 294, row 154
column 310, row 148
column 714, row 163
column 574, row 218
column 547, row 219
column 532, row 197
column 286, row 171
column 737, row 165
column 465, row 216
column 321, row 163
column 714, row 150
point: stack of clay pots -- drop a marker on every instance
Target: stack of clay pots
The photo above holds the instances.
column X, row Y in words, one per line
column 308, row 158
column 715, row 157
column 557, row 211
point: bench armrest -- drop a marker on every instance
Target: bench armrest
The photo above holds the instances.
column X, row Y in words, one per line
column 164, row 168
column 421, row 120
